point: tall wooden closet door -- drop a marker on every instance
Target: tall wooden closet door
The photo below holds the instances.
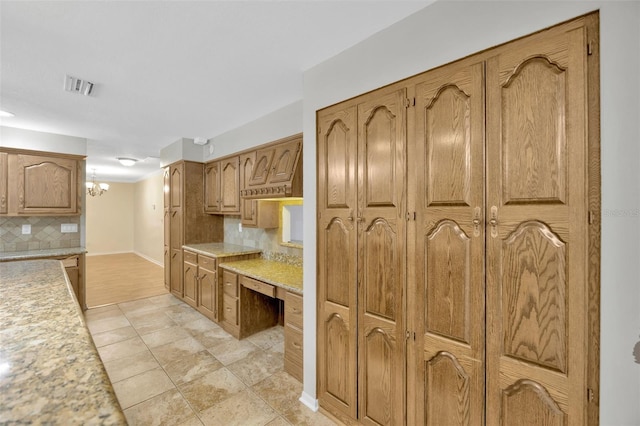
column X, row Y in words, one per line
column 447, row 163
column 337, row 275
column 536, row 230
column 381, row 257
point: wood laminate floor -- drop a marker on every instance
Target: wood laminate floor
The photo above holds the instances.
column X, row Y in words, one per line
column 123, row 277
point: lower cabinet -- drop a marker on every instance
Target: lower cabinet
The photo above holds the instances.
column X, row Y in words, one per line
column 293, row 335
column 207, row 286
column 199, row 283
column 190, row 279
column 249, row 305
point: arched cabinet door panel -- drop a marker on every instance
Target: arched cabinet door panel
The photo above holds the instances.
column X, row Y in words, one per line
column 537, row 229
column 46, row 185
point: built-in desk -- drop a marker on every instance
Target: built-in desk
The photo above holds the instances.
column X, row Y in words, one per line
column 258, row 294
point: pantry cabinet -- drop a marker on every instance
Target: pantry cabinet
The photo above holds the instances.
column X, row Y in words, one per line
column 34, row 183
column 4, row 184
column 457, row 282
column 187, row 221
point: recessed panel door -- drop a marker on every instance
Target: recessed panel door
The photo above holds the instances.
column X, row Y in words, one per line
column 381, row 226
column 536, row 230
column 337, row 251
column 447, row 160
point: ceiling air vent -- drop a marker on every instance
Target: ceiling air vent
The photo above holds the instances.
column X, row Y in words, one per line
column 77, row 85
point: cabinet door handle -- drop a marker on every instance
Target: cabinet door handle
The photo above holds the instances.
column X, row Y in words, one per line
column 477, row 220
column 494, row 221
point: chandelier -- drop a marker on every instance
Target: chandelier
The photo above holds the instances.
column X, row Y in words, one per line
column 94, row 188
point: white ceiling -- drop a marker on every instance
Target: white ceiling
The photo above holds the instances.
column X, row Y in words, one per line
column 167, row 69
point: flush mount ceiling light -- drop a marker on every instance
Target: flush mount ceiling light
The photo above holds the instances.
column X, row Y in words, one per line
column 77, row 85
column 127, row 161
column 6, row 114
column 94, row 188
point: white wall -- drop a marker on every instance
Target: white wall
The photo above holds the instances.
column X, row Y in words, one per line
column 279, row 124
column 449, row 30
column 39, row 141
column 182, row 149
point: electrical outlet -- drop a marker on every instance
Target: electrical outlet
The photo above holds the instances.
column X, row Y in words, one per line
column 240, row 227
column 68, row 227
column 26, row 229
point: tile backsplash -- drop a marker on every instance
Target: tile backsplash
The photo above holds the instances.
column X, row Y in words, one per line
column 267, row 240
column 45, row 233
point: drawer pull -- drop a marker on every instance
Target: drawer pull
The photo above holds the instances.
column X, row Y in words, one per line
column 297, row 346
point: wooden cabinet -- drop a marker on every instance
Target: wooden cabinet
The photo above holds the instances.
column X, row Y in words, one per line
column 167, row 228
column 74, row 267
column 208, row 286
column 4, row 182
column 222, row 186
column 190, row 271
column 39, row 183
column 255, row 213
column 276, row 171
column 230, row 295
column 185, row 219
column 200, row 283
column 457, row 200
column 293, row 343
column 248, row 305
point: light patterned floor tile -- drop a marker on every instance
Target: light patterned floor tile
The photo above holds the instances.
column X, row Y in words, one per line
column 191, row 367
column 242, row 409
column 142, row 387
column 123, row 368
column 268, row 338
column 122, row 349
column 168, row 408
column 257, row 366
column 114, row 336
column 164, row 336
column 211, row 389
column 233, row 350
column 177, row 350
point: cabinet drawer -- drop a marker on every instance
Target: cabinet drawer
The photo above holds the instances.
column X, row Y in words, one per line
column 207, row 262
column 259, row 286
column 230, row 283
column 190, row 257
column 230, row 310
column 293, row 310
column 293, row 343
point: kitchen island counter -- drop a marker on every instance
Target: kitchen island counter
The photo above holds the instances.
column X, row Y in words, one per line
column 50, row 370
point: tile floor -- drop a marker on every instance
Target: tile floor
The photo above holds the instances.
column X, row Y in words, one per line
column 170, row 365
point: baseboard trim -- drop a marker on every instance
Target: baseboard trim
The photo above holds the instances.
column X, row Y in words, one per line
column 309, row 401
column 161, row 264
column 137, row 253
column 89, row 253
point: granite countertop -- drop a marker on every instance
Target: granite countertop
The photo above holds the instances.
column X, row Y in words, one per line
column 34, row 254
column 50, row 370
column 220, row 249
column 277, row 273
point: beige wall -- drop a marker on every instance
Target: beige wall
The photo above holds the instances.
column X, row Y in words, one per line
column 127, row 218
column 110, row 220
column 148, row 228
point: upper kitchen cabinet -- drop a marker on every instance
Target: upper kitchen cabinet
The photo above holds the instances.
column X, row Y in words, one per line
column 39, row 183
column 277, row 170
column 222, row 186
column 255, row 213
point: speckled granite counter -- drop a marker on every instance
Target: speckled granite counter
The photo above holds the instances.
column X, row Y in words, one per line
column 276, row 273
column 50, row 370
column 34, row 254
column 220, row 249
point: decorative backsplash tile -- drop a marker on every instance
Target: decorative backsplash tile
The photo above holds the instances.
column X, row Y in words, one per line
column 266, row 240
column 45, row 233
